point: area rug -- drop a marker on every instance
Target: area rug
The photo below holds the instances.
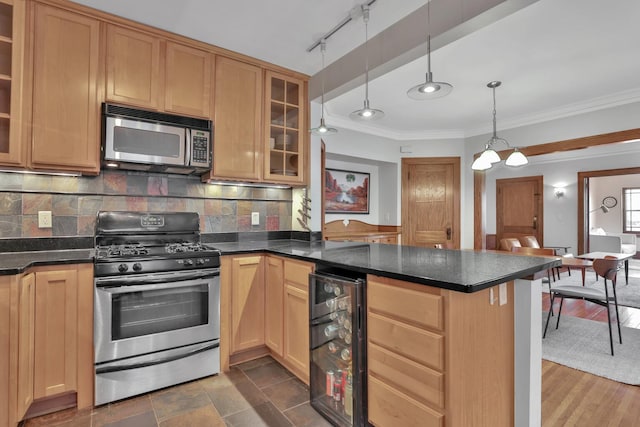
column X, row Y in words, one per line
column 628, row 295
column 584, row 345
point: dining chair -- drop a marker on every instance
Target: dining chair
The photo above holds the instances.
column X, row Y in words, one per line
column 608, row 269
column 529, row 241
column 509, row 242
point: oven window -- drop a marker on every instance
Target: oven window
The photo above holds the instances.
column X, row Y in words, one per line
column 145, row 142
column 149, row 312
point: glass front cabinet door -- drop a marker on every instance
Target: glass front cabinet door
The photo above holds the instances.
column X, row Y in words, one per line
column 12, row 13
column 286, row 134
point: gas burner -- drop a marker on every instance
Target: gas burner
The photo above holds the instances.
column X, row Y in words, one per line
column 126, row 250
column 174, row 248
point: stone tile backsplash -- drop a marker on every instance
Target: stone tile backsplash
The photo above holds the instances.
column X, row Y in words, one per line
column 74, row 202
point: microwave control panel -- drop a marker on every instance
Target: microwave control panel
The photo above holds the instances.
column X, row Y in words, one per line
column 200, row 149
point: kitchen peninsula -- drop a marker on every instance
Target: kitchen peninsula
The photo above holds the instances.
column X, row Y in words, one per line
column 454, row 336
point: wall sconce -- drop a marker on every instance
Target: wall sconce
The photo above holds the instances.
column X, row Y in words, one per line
column 559, row 192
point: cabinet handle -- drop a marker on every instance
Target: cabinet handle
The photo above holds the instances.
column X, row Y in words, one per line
column 449, row 233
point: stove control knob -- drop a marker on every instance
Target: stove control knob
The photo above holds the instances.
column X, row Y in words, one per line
column 122, row 268
column 199, row 261
column 137, row 266
column 188, row 262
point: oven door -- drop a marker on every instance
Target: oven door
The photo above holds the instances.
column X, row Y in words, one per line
column 143, row 314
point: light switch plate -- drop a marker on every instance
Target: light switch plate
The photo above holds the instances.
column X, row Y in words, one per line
column 503, row 293
column 44, row 219
column 255, row 218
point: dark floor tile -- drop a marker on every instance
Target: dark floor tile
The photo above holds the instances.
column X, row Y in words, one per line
column 224, row 379
column 147, row 419
column 175, row 400
column 287, row 394
column 236, row 397
column 305, row 416
column 268, row 374
column 119, row 410
column 265, row 415
column 255, row 363
column 201, row 417
column 67, row 417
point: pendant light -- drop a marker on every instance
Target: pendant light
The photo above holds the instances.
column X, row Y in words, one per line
column 366, row 113
column 429, row 89
column 323, row 129
column 489, row 155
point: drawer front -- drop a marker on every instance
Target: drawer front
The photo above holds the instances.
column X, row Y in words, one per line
column 389, row 407
column 423, row 384
column 406, row 302
column 297, row 272
column 413, row 343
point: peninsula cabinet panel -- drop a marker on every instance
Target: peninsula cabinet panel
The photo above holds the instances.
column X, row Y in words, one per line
column 247, row 303
column 12, row 18
column 237, row 123
column 188, row 79
column 56, row 329
column 66, row 101
column 8, row 349
column 274, row 300
column 26, row 337
column 133, row 67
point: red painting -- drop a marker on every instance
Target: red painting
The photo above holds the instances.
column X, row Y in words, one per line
column 346, row 192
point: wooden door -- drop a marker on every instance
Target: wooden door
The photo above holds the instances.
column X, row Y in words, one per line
column 431, row 201
column 26, row 342
column 56, row 331
column 133, row 67
column 66, row 101
column 188, row 79
column 519, row 204
column 247, row 303
column 296, row 329
column 12, row 35
column 237, row 149
column 274, row 299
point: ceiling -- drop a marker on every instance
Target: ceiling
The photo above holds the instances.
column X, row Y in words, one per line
column 555, row 57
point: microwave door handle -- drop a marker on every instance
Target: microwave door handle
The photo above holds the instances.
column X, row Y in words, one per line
column 187, row 146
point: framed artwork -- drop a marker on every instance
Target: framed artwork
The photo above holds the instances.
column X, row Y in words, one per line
column 346, row 192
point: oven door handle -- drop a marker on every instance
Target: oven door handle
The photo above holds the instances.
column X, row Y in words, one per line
column 117, row 368
column 151, row 282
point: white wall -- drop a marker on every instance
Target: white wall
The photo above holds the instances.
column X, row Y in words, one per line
column 374, row 197
column 601, row 187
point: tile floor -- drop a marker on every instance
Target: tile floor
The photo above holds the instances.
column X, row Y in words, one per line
column 253, row 394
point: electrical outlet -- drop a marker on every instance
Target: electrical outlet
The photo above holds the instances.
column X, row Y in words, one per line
column 255, row 218
column 44, row 219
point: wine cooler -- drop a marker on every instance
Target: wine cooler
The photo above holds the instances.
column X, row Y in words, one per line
column 338, row 344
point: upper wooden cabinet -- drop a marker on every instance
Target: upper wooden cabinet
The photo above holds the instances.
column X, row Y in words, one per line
column 238, row 114
column 150, row 72
column 12, row 20
column 285, row 128
column 66, row 93
column 133, row 67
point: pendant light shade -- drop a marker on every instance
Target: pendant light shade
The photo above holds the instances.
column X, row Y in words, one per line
column 323, row 129
column 366, row 113
column 429, row 89
column 489, row 156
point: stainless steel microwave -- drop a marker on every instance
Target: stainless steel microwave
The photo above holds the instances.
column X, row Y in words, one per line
column 143, row 140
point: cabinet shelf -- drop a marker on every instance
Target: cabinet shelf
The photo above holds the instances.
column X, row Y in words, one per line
column 5, row 39
column 5, row 77
column 5, row 116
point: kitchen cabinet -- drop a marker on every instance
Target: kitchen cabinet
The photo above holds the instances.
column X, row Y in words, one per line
column 133, row 67
column 296, row 317
column 247, row 303
column 188, row 86
column 428, row 364
column 237, row 148
column 66, row 91
column 26, row 340
column 274, row 302
column 286, row 130
column 12, row 24
column 9, row 296
column 56, row 324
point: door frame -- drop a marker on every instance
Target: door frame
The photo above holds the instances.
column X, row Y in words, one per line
column 479, row 177
column 540, row 204
column 455, row 161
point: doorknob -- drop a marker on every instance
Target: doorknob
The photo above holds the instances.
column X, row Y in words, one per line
column 448, row 233
column 535, row 222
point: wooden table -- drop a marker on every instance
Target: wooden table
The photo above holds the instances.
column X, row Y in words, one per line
column 577, row 264
column 620, row 257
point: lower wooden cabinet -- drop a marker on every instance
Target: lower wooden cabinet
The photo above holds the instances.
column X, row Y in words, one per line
column 46, row 338
column 274, row 304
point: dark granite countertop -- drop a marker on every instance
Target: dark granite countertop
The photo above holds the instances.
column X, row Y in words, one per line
column 18, row 262
column 463, row 271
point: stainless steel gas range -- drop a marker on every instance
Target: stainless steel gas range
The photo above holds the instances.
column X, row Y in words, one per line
column 157, row 303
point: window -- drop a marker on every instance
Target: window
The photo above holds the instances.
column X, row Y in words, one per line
column 631, row 210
